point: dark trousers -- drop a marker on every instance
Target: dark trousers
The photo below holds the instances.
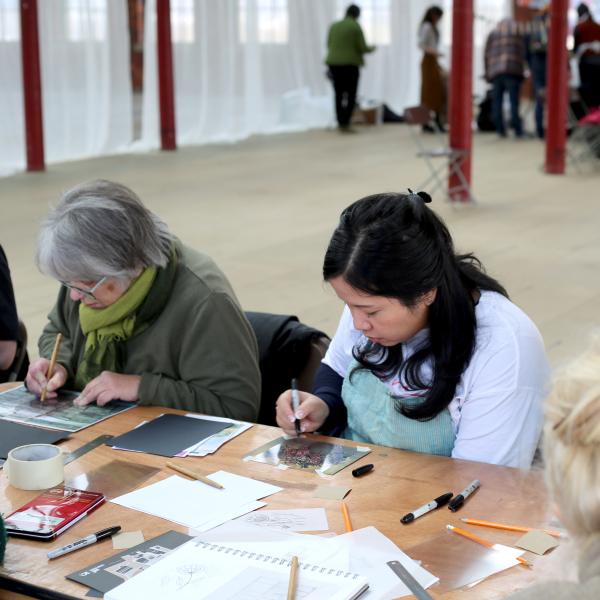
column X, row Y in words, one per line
column 512, row 85
column 589, row 75
column 345, row 84
column 538, row 76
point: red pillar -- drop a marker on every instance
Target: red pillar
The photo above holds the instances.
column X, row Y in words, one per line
column 32, row 87
column 166, row 96
column 557, row 88
column 461, row 88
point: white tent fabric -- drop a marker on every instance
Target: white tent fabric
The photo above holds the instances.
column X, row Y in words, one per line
column 256, row 66
column 241, row 67
column 86, row 83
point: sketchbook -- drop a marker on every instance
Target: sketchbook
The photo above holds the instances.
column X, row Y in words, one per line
column 201, row 570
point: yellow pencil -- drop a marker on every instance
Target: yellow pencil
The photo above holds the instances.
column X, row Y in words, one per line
column 51, row 365
column 293, row 576
column 194, row 475
column 346, row 515
column 483, row 542
column 519, row 528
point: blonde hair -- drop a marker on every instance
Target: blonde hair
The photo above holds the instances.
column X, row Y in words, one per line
column 572, row 443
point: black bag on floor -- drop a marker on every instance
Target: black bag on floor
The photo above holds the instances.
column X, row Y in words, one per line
column 485, row 122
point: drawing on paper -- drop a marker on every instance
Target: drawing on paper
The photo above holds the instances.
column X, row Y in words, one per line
column 308, row 455
column 184, row 576
column 280, row 520
column 22, row 406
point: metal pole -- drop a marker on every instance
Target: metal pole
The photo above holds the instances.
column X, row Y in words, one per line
column 557, row 90
column 461, row 89
column 32, row 87
column 165, row 75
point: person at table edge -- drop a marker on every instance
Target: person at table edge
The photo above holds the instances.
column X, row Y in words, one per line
column 430, row 355
column 144, row 317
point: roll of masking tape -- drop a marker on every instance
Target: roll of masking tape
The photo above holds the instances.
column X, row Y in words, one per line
column 35, row 466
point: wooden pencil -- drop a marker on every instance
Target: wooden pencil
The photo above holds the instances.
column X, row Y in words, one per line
column 194, row 475
column 519, row 528
column 346, row 515
column 483, row 542
column 51, row 365
column 291, row 595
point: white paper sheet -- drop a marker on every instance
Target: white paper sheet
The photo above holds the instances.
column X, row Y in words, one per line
column 298, row 519
column 214, row 442
column 197, row 505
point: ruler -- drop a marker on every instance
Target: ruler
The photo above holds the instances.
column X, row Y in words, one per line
column 86, row 448
column 411, row 583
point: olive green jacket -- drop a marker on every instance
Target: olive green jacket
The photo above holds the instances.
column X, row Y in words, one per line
column 346, row 43
column 200, row 354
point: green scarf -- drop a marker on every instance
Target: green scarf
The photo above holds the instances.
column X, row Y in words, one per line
column 107, row 329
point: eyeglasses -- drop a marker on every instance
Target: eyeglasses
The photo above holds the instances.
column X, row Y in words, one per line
column 89, row 293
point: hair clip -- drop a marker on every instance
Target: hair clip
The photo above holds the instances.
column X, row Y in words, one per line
column 423, row 196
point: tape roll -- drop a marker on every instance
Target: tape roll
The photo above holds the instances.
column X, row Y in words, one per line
column 35, row 466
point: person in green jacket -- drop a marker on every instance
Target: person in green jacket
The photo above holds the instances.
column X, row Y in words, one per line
column 345, row 49
column 144, row 318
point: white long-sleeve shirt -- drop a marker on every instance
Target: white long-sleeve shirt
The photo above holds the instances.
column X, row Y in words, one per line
column 497, row 406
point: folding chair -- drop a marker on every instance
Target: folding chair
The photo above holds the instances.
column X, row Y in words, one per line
column 452, row 158
column 583, row 146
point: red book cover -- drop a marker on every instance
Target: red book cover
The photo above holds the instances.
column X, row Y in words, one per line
column 53, row 511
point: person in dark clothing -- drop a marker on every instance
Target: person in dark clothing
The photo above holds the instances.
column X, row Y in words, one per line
column 9, row 322
column 586, row 37
column 345, row 49
column 537, row 45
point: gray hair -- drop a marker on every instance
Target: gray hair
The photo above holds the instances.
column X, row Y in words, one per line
column 101, row 228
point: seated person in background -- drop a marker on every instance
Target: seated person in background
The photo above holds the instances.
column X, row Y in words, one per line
column 144, row 318
column 9, row 323
column 430, row 355
column 572, row 456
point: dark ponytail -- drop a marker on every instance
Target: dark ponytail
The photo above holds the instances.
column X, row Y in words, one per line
column 393, row 245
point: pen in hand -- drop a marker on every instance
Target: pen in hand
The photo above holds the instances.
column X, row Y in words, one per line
column 86, row 541
column 296, row 404
column 51, row 366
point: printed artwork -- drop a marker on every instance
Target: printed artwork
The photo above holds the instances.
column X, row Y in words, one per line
column 307, row 454
column 22, row 406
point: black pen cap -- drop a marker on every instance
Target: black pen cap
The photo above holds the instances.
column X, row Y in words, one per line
column 456, row 502
column 409, row 518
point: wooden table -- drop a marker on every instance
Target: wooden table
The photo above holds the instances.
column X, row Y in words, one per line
column 400, row 482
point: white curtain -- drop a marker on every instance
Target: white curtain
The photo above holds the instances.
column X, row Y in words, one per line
column 86, row 83
column 256, row 66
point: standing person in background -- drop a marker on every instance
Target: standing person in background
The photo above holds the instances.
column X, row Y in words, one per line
column 586, row 37
column 537, row 47
column 9, row 323
column 433, row 86
column 504, row 69
column 345, row 49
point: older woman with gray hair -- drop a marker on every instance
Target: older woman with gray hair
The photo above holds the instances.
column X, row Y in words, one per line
column 143, row 317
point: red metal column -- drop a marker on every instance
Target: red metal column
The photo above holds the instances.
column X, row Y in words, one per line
column 557, row 88
column 461, row 87
column 166, row 96
column 32, row 87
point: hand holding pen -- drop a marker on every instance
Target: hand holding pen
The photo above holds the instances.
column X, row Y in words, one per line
column 311, row 413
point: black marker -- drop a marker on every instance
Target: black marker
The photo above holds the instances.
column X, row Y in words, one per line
column 296, row 405
column 422, row 510
column 459, row 500
column 362, row 470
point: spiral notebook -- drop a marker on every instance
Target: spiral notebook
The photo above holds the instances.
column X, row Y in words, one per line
column 201, row 570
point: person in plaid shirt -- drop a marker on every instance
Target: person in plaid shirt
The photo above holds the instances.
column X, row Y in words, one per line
column 504, row 68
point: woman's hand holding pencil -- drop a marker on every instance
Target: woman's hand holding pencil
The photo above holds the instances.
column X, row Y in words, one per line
column 46, row 376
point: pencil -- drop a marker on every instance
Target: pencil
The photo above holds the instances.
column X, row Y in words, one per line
column 293, row 576
column 483, row 542
column 194, row 475
column 51, row 365
column 346, row 515
column 520, row 528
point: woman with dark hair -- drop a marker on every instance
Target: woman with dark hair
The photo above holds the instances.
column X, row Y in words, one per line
column 433, row 87
column 430, row 354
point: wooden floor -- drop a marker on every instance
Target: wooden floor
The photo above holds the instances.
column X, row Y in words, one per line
column 265, row 208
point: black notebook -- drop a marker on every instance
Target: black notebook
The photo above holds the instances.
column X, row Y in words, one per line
column 167, row 435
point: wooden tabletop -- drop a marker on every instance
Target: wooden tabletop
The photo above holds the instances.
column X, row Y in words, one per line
column 400, row 482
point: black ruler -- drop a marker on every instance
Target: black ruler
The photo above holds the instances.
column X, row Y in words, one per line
column 411, row 583
column 86, row 448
